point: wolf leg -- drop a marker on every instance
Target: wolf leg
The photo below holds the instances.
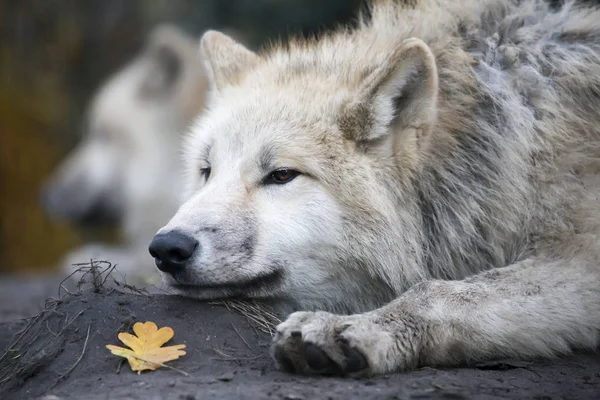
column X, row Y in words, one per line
column 533, row 308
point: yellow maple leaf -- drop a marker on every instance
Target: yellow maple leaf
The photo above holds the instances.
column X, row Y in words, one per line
column 146, row 352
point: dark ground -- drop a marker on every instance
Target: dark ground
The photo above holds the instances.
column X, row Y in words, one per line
column 219, row 363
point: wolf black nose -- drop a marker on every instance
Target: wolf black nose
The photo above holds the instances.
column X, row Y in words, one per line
column 171, row 250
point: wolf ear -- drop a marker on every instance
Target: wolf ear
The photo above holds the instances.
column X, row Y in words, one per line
column 166, row 51
column 396, row 104
column 224, row 59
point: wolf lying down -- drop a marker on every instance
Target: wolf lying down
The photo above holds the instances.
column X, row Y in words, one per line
column 433, row 172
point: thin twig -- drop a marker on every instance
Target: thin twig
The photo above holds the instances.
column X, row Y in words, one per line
column 120, row 365
column 110, row 270
column 50, row 330
column 236, row 358
column 60, row 285
column 70, row 322
column 80, row 356
column 255, row 330
column 241, row 337
column 65, row 289
column 222, row 354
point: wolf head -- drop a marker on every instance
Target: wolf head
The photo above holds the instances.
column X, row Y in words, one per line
column 129, row 151
column 299, row 175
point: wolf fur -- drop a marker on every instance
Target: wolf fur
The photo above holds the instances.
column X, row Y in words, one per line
column 126, row 169
column 447, row 191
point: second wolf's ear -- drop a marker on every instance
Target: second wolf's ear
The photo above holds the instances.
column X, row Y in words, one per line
column 166, row 52
column 224, row 59
column 395, row 106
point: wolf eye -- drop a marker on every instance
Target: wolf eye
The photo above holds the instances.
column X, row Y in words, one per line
column 205, row 172
column 281, row 176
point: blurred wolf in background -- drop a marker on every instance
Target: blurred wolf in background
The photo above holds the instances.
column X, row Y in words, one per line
column 126, row 169
column 434, row 173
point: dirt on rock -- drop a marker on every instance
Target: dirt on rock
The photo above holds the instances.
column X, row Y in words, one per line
column 228, row 358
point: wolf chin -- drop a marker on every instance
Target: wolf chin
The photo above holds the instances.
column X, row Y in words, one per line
column 423, row 186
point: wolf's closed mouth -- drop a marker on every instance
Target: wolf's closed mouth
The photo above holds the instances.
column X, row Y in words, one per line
column 268, row 280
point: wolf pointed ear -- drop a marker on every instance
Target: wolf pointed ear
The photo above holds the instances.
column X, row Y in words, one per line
column 224, row 59
column 396, row 105
column 166, row 50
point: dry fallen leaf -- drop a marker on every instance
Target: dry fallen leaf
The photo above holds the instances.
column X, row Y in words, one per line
column 145, row 352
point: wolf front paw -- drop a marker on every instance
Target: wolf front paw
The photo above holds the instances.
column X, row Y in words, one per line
column 357, row 345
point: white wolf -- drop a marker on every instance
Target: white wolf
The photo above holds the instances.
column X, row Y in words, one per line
column 126, row 169
column 433, row 172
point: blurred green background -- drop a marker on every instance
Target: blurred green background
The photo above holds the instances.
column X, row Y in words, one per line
column 55, row 53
